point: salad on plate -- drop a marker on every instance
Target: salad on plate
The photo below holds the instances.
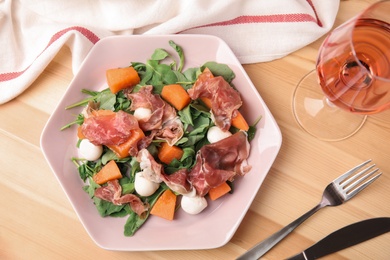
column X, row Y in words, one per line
column 160, row 139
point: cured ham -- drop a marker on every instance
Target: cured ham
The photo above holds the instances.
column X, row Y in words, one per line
column 151, row 170
column 224, row 99
column 219, row 162
column 106, row 127
column 171, row 131
column 154, row 172
column 161, row 110
column 178, row 181
column 163, row 122
column 113, row 192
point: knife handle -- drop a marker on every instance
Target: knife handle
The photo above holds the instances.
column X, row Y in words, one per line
column 264, row 246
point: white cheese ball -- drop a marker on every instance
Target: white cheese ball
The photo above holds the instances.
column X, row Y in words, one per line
column 216, row 134
column 89, row 151
column 143, row 186
column 193, row 205
column 142, row 113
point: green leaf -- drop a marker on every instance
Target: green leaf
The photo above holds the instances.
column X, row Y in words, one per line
column 180, row 52
column 159, row 54
column 138, row 66
column 252, row 129
column 79, row 120
column 134, row 222
column 127, row 185
column 107, row 100
column 90, row 189
column 192, row 74
column 106, row 208
column 185, row 115
column 122, row 102
column 219, row 69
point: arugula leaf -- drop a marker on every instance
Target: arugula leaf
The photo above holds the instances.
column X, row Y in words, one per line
column 159, row 54
column 180, row 52
column 134, row 222
column 127, row 185
column 88, row 168
column 186, row 116
column 122, row 102
column 90, row 189
column 192, row 74
column 106, row 100
column 219, row 69
column 105, row 208
column 79, row 120
column 252, row 129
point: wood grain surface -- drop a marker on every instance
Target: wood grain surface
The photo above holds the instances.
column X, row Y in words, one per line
column 38, row 222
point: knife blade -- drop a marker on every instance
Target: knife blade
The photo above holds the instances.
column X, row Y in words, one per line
column 345, row 237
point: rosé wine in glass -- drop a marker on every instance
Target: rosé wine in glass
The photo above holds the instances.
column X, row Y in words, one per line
column 355, row 74
column 351, row 79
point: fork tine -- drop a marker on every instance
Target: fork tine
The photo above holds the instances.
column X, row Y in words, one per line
column 351, row 171
column 363, row 185
column 347, row 181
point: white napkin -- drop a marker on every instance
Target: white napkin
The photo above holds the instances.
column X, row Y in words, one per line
column 32, row 32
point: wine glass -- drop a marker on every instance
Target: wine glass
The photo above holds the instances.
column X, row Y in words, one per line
column 353, row 71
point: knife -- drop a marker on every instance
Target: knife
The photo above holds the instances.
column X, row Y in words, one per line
column 345, row 237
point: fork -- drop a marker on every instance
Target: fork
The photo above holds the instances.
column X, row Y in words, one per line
column 336, row 193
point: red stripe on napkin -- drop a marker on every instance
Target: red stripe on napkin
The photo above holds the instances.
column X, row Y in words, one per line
column 315, row 12
column 93, row 38
column 277, row 18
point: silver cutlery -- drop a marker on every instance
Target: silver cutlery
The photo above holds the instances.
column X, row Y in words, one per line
column 336, row 193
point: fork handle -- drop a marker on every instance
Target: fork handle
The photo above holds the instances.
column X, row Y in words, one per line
column 265, row 245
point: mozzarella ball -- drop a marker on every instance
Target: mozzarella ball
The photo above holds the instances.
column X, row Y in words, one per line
column 143, row 186
column 89, row 151
column 216, row 134
column 193, row 205
column 142, row 113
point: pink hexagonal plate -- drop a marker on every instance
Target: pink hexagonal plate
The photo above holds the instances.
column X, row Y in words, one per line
column 215, row 226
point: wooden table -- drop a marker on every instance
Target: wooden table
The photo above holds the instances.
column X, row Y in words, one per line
column 38, row 222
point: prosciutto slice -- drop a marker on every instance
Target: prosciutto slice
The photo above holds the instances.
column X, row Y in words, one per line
column 163, row 122
column 113, row 192
column 224, row 99
column 151, row 170
column 161, row 110
column 178, row 181
column 109, row 128
column 219, row 162
column 154, row 172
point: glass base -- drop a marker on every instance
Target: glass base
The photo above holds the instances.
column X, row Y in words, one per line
column 318, row 116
